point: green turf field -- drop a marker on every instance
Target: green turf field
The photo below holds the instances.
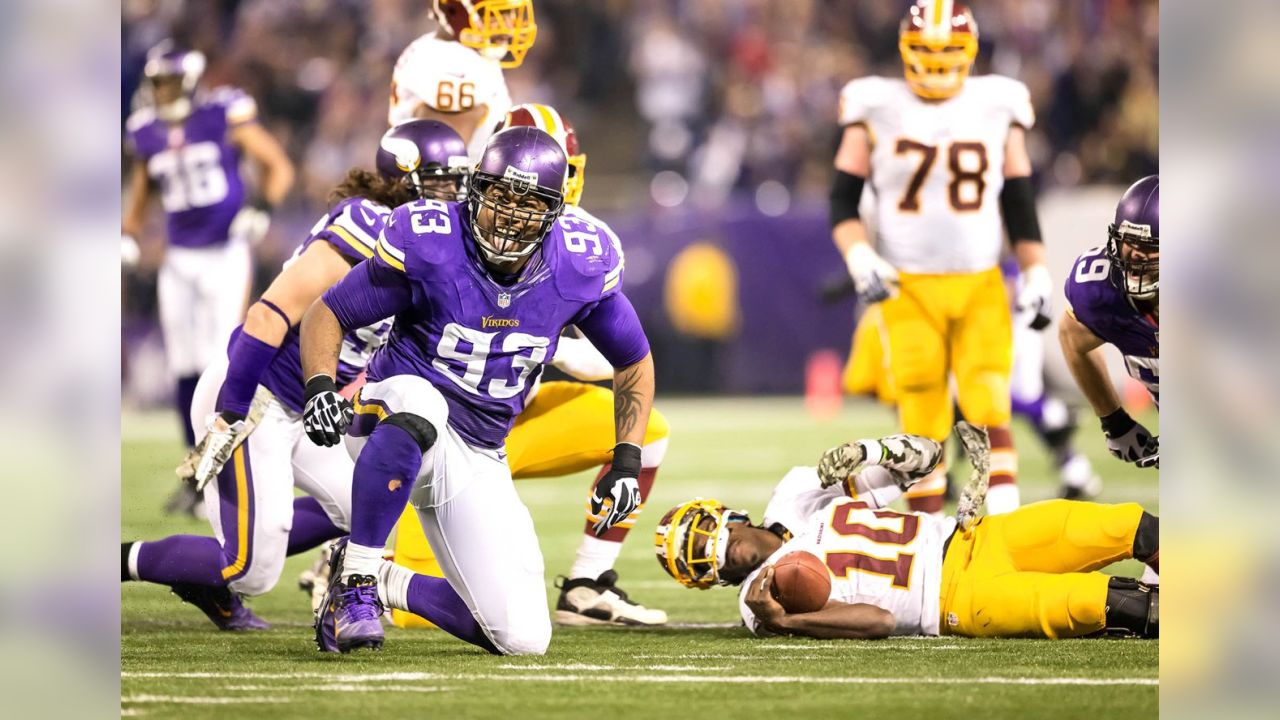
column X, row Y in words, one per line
column 175, row 664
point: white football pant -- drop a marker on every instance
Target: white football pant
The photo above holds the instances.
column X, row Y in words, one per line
column 202, row 294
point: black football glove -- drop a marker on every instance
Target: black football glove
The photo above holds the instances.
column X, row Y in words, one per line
column 620, row 488
column 327, row 415
column 1129, row 441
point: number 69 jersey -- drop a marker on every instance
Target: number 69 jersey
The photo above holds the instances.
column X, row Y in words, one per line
column 937, row 168
column 1100, row 306
column 480, row 343
column 884, row 558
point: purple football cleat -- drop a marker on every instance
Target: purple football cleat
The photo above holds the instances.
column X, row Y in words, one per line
column 350, row 616
column 222, row 606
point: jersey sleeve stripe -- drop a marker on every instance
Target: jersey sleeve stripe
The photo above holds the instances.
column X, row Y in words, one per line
column 360, row 247
column 609, row 285
column 388, row 255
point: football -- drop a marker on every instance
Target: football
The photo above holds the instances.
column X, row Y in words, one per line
column 801, row 583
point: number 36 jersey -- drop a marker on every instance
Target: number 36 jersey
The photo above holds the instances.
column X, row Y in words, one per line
column 480, row 343
column 884, row 558
column 195, row 164
column 937, row 168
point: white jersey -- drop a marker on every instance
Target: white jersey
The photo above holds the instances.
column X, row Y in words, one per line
column 879, row 557
column 937, row 168
column 449, row 77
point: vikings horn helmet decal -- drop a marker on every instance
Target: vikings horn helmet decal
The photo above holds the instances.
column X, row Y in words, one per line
column 430, row 155
column 676, row 544
column 938, row 40
column 529, row 165
column 550, row 121
column 1133, row 241
column 501, row 30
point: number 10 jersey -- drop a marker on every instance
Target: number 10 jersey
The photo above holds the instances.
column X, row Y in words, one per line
column 937, row 168
column 884, row 558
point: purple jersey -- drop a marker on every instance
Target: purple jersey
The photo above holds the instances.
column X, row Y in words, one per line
column 351, row 227
column 195, row 164
column 481, row 343
column 1104, row 309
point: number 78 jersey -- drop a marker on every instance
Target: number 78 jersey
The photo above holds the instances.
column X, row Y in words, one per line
column 884, row 558
column 937, row 168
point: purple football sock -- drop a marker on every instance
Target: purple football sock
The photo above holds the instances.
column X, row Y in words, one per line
column 186, row 391
column 1032, row 410
column 435, row 600
column 385, row 473
column 311, row 526
column 182, row 559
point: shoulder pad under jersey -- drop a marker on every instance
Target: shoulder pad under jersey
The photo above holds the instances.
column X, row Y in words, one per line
column 585, row 255
column 1091, row 298
column 352, row 227
column 1009, row 94
column 861, row 97
column 422, row 235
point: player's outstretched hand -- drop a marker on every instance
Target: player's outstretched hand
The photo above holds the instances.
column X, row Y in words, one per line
column 761, row 602
column 1129, row 441
column 617, row 494
column 327, row 415
column 251, row 222
column 1034, row 288
column 873, row 278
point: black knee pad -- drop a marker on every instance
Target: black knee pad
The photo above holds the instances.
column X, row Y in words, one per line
column 418, row 427
column 1133, row 608
column 1146, row 542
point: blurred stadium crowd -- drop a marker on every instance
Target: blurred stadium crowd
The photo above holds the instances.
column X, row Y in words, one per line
column 685, row 104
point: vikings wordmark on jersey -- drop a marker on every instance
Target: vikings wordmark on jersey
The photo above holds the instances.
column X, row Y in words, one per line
column 480, row 343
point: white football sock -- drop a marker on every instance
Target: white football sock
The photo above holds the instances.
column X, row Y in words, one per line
column 875, row 485
column 361, row 560
column 1003, row 498
column 133, row 560
column 393, row 585
column 595, row 556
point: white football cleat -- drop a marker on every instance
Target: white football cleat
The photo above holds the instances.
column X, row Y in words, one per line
column 584, row 601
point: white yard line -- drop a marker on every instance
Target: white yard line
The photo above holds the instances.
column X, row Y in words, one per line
column 601, row 668
column 191, row 700
column 641, row 678
column 337, row 687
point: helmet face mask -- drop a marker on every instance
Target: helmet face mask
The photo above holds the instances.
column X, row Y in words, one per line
column 502, row 30
column 1133, row 242
column 692, row 542
column 510, row 217
column 938, row 41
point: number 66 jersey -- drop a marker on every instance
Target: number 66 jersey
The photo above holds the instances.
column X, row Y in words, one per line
column 884, row 558
column 938, row 168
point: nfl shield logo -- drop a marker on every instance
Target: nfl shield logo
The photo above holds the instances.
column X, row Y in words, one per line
column 504, row 300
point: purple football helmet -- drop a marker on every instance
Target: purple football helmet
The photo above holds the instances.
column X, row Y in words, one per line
column 166, row 61
column 1133, row 241
column 517, row 189
column 430, row 155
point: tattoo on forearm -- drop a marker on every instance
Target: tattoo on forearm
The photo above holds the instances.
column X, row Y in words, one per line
column 627, row 401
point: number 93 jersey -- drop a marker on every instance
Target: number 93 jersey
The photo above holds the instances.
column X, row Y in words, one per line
column 195, row 164
column 884, row 558
column 449, row 77
column 480, row 343
column 937, row 168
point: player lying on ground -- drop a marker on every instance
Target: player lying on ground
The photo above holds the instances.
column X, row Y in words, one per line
column 481, row 292
column 255, row 517
column 1028, row 573
column 1113, row 294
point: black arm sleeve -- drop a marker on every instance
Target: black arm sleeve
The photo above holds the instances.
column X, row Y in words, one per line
column 1018, row 205
column 846, row 192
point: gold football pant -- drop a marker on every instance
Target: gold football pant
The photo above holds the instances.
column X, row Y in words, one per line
column 566, row 428
column 867, row 371
column 941, row 325
column 1031, row 572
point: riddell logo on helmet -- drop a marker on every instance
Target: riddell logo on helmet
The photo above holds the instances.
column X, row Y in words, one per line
column 521, row 181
